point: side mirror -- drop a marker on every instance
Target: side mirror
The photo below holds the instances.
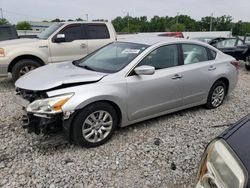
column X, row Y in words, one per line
column 60, row 38
column 144, row 70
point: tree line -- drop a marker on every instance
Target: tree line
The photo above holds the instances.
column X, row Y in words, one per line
column 180, row 23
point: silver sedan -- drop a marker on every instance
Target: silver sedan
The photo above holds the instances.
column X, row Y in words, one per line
column 128, row 81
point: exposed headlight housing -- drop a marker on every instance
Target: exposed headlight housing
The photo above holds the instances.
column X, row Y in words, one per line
column 2, row 53
column 51, row 105
column 221, row 168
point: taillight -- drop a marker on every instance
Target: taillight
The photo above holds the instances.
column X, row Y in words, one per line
column 236, row 64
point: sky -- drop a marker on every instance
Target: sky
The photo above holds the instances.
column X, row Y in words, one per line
column 31, row 10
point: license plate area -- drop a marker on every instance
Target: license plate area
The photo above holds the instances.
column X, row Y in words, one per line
column 21, row 101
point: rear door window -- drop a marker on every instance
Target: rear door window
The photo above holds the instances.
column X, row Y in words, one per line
column 193, row 53
column 213, row 54
column 97, row 31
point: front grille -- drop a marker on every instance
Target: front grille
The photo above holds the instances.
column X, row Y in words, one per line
column 30, row 95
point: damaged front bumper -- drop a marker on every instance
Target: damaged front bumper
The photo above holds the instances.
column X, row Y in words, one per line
column 41, row 123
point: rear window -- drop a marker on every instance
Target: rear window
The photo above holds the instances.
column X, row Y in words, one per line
column 97, row 31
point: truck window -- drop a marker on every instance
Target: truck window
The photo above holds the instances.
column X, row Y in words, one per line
column 72, row 32
column 97, row 31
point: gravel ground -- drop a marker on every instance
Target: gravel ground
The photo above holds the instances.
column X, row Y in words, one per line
column 162, row 152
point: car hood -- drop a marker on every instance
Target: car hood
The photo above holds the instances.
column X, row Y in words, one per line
column 56, row 75
column 17, row 41
column 238, row 139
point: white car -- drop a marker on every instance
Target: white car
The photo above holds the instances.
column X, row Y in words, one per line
column 60, row 42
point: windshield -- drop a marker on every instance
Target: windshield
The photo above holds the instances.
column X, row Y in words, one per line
column 113, row 57
column 49, row 31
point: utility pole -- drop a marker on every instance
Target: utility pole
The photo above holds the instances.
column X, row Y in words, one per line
column 177, row 20
column 128, row 20
column 87, row 17
column 211, row 22
column 1, row 12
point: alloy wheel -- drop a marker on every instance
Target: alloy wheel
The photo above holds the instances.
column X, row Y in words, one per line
column 218, row 96
column 25, row 70
column 97, row 126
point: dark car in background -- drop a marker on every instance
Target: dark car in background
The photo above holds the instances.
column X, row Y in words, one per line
column 8, row 32
column 236, row 47
column 247, row 38
column 208, row 39
column 226, row 160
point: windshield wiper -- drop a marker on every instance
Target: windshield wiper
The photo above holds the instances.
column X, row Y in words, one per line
column 76, row 63
column 87, row 67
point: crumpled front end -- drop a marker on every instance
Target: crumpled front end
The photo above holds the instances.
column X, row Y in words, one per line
column 38, row 122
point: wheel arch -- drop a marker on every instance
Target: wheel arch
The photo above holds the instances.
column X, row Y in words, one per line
column 225, row 81
column 112, row 103
column 28, row 56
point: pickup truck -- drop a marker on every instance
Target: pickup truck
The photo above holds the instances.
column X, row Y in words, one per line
column 60, row 42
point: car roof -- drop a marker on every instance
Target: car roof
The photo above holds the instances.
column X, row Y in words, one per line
column 150, row 40
column 84, row 22
column 204, row 37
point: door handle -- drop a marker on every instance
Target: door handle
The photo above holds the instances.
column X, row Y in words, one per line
column 211, row 68
column 177, row 76
column 83, row 45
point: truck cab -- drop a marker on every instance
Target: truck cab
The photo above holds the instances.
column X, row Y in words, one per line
column 60, row 42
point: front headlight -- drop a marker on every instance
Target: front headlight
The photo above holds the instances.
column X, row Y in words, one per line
column 221, row 168
column 2, row 53
column 50, row 105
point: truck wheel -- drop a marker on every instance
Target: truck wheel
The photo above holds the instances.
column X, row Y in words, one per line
column 23, row 66
column 94, row 125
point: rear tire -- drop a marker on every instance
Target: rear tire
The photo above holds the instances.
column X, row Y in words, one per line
column 216, row 95
column 94, row 125
column 24, row 66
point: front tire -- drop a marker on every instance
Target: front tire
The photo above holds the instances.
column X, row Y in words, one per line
column 95, row 124
column 24, row 66
column 216, row 95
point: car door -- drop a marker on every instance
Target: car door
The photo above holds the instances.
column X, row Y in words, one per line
column 98, row 36
column 198, row 73
column 74, row 47
column 227, row 46
column 152, row 94
column 241, row 51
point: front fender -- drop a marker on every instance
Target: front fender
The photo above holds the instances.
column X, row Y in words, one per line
column 39, row 49
column 43, row 56
column 90, row 93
